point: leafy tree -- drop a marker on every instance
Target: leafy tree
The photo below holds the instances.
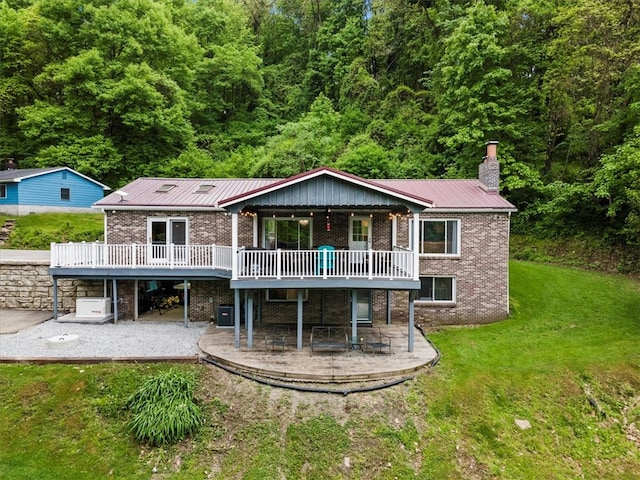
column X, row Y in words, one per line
column 618, row 181
column 367, row 159
column 596, row 45
column 309, row 143
column 472, row 85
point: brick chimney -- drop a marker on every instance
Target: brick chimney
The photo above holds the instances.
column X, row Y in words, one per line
column 489, row 170
column 9, row 164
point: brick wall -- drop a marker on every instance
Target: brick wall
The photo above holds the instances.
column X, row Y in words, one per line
column 481, row 271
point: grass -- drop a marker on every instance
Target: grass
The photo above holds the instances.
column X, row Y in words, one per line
column 38, row 230
column 567, row 361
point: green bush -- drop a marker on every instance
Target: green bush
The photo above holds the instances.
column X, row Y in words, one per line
column 164, row 410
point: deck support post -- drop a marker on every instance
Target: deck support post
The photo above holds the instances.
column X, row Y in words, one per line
column 136, row 298
column 389, row 303
column 412, row 296
column 354, row 314
column 55, row 298
column 249, row 318
column 115, row 300
column 186, row 303
column 236, row 317
column 300, row 293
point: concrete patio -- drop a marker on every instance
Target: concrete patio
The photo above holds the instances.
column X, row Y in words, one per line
column 289, row 364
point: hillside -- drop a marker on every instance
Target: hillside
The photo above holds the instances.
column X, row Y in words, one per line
column 565, row 364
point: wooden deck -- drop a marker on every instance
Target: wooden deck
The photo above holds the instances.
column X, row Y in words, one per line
column 288, row 364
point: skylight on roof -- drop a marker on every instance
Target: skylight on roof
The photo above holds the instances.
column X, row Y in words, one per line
column 166, row 188
column 204, row 188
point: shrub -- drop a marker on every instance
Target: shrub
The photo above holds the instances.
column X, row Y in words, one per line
column 164, row 410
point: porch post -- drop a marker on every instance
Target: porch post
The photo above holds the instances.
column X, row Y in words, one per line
column 115, row 301
column 416, row 246
column 55, row 298
column 256, row 234
column 234, row 247
column 249, row 318
column 300, row 295
column 186, row 303
column 412, row 297
column 354, row 314
column 389, row 300
column 236, row 317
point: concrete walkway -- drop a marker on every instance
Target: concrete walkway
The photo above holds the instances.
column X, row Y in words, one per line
column 13, row 320
column 25, row 257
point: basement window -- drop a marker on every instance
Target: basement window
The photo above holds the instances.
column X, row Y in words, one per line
column 437, row 289
column 167, row 187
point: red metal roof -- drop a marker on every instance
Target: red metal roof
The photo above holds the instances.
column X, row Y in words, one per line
column 143, row 192
column 451, row 194
column 440, row 194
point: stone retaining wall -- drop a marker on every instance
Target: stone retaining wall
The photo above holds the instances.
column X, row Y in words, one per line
column 27, row 285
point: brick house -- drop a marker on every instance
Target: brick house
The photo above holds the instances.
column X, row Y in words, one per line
column 321, row 247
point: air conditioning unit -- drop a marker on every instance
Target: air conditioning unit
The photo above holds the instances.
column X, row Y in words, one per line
column 93, row 306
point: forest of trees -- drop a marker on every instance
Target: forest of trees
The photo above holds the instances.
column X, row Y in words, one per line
column 118, row 89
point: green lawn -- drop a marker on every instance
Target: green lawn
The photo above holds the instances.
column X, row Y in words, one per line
column 567, row 361
column 38, row 230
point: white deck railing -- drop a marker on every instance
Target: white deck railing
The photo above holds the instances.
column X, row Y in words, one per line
column 326, row 264
column 374, row 264
column 94, row 255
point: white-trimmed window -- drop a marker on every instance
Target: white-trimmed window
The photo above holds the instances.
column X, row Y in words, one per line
column 3, row 190
column 439, row 237
column 287, row 233
column 437, row 289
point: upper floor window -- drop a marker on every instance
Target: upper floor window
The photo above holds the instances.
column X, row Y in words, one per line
column 65, row 194
column 3, row 191
column 439, row 237
column 437, row 289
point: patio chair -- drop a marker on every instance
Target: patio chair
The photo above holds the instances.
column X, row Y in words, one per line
column 330, row 256
column 375, row 339
column 277, row 337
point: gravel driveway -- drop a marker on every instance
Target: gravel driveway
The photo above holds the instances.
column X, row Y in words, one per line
column 127, row 339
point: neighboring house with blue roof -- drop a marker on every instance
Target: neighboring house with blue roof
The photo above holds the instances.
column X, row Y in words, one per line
column 54, row 189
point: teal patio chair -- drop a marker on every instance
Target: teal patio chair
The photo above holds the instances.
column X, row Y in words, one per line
column 325, row 260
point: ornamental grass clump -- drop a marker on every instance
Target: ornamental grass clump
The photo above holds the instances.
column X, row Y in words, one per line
column 164, row 410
